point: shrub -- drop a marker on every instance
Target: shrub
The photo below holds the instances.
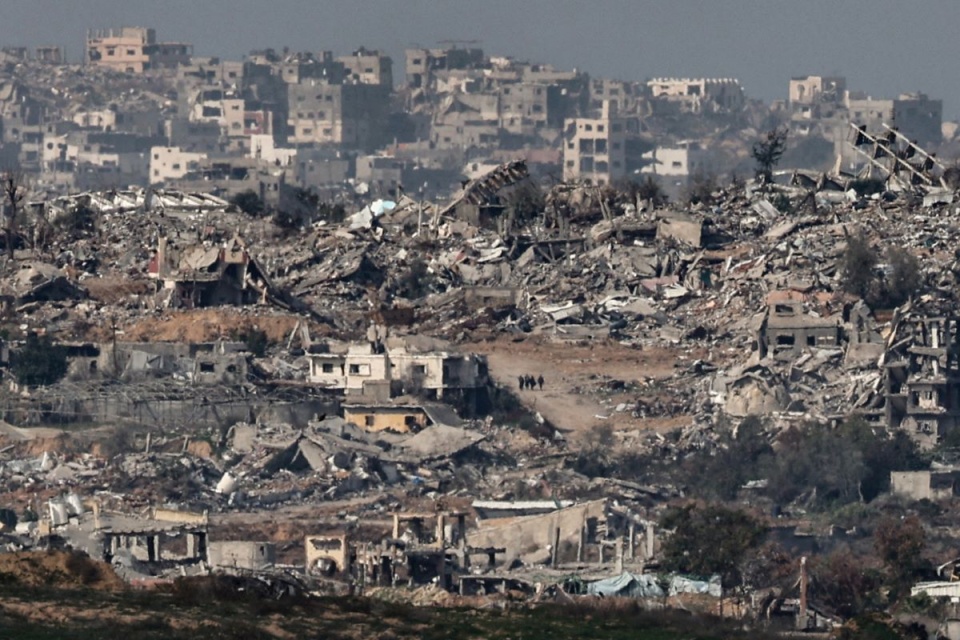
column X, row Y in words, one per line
column 525, row 202
column 249, row 202
column 651, row 190
column 39, row 362
column 904, row 278
column 709, row 540
column 80, row 565
column 702, row 186
column 255, row 340
column 859, row 264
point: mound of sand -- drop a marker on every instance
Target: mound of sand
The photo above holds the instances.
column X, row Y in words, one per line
column 58, row 569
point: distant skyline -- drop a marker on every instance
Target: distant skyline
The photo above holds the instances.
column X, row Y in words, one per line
column 883, row 47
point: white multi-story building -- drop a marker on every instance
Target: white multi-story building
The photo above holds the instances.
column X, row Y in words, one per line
column 363, row 367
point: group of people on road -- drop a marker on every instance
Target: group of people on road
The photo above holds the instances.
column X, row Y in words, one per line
column 529, row 382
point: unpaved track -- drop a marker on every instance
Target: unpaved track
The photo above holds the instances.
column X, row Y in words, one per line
column 573, row 373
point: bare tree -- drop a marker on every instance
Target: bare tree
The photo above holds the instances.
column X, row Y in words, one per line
column 14, row 187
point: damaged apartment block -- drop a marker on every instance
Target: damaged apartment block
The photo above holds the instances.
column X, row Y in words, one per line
column 382, row 369
column 922, row 387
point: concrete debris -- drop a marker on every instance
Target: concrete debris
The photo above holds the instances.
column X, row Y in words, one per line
column 333, row 369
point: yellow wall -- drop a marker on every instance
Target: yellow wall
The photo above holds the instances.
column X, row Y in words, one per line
column 383, row 419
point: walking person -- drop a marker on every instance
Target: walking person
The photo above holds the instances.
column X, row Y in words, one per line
column 531, row 383
column 523, row 382
column 540, row 381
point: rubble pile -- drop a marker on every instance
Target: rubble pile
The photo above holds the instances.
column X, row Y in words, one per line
column 594, row 265
column 342, row 403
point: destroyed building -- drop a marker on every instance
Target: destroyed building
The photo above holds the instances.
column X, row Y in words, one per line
column 926, row 484
column 600, row 150
column 384, row 370
column 786, row 331
column 203, row 275
column 330, row 554
column 922, row 377
column 249, row 555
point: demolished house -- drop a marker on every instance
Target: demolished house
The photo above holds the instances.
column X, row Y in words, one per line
column 346, row 457
column 37, row 282
column 206, row 275
column 595, row 531
column 477, row 200
column 786, row 331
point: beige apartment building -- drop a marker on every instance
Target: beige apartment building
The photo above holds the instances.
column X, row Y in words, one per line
column 368, row 67
column 694, row 95
column 595, row 149
column 423, row 65
column 134, row 50
column 348, row 115
column 172, row 163
column 812, row 89
column 362, row 369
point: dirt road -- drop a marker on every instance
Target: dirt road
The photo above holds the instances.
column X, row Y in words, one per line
column 577, row 393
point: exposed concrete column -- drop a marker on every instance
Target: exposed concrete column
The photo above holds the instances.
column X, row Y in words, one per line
column 345, row 554
column 802, row 612
column 555, row 552
column 650, row 541
column 441, row 530
column 442, row 570
column 191, row 545
column 462, row 530
column 631, row 541
column 619, row 552
column 396, row 525
column 581, row 541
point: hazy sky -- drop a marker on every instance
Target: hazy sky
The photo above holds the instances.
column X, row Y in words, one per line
column 884, row 47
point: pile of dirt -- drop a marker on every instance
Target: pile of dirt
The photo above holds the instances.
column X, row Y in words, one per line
column 115, row 289
column 427, row 596
column 200, row 448
column 208, row 325
column 59, row 569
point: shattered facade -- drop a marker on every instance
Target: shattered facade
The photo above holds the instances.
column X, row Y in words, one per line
column 364, row 367
column 202, row 275
column 922, row 377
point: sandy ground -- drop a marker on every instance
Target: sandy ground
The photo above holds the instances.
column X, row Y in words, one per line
column 576, row 395
column 201, row 325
